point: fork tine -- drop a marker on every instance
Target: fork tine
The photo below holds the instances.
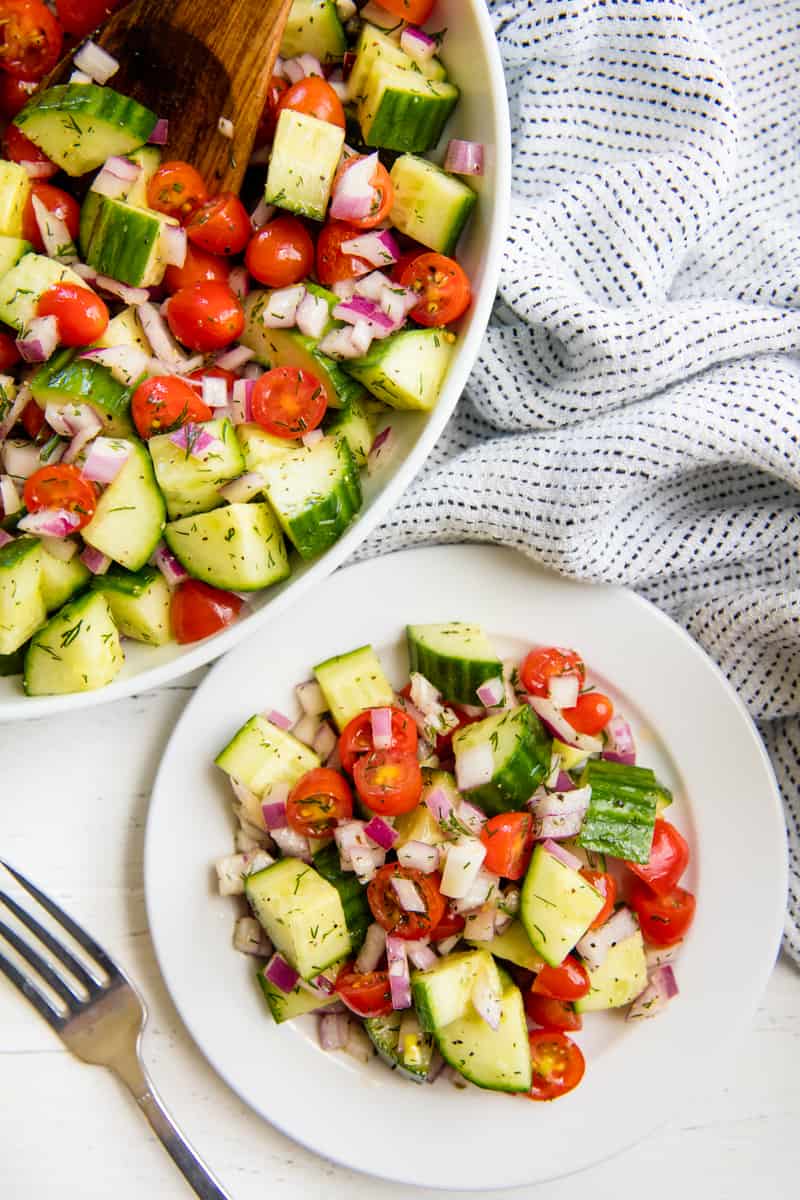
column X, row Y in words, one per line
column 81, row 936
column 38, row 963
column 32, row 993
column 53, row 945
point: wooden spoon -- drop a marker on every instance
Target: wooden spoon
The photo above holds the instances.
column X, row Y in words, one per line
column 194, row 61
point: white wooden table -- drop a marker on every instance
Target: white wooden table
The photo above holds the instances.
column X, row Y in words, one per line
column 73, row 803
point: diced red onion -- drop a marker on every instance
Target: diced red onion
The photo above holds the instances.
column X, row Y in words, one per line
column 312, row 315
column 97, row 562
column 563, row 690
column 241, row 404
column 462, row 864
column 333, row 1031
column 276, row 717
column 381, row 832
column 419, row 856
column 661, row 988
column 426, row 697
column 439, row 803
column 377, row 246
column 158, row 335
column 10, row 501
column 376, row 14
column 225, row 127
column 360, row 309
column 486, row 999
column 471, row 817
column 558, row 725
column 291, row 844
column 39, row 170
column 382, row 450
column 215, row 391
column 311, row 438
column 418, row 44
column 88, row 428
column 397, row 303
column 480, row 924
column 80, row 77
column 341, row 343
column 354, row 196
column 50, row 522
column 408, row 895
column 492, row 691
column 5, row 538
column 55, row 236
column 235, row 358
column 56, row 417
column 20, row 458
column 39, row 341
column 279, row 973
column 464, row 158
column 262, row 214
column 249, row 938
column 447, row 944
column 173, row 571
column 174, row 244
column 345, row 289
column 114, row 180
column 350, row 836
column 273, row 810
column 127, row 364
column 474, row 766
column 160, row 134
column 371, row 286
column 484, row 886
column 564, row 782
column 311, row 698
column 346, row 9
column 381, row 723
column 559, row 814
column 239, row 283
column 280, row 310
column 193, row 439
column 325, row 743
column 301, row 67
column 243, row 488
column 104, row 283
column 421, row 955
column 620, row 747
column 18, row 405
column 358, row 1045
column 563, row 856
column 95, row 61
column 595, row 945
column 399, row 978
column 305, row 730
column 372, row 950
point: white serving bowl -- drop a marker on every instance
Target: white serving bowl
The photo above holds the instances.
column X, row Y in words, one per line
column 473, row 61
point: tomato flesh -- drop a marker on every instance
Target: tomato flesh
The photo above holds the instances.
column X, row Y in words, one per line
column 315, row 97
column 415, row 11
column 356, row 737
column 450, row 924
column 669, row 858
column 205, row 316
column 14, row 95
column 32, row 419
column 388, row 781
column 176, row 189
column 288, row 402
column 442, row 286
column 165, row 402
column 199, row 267
column 552, row 1014
column 9, row 354
column 333, row 264
column 558, row 1064
column 198, row 610
column 664, row 919
column 269, row 117
column 591, row 714
column 30, row 38
column 606, row 885
column 80, row 17
column 81, row 315
column 569, row 981
column 508, row 840
column 546, row 662
column 318, row 802
column 389, row 913
column 20, row 149
column 280, row 253
column 220, row 225
column 367, row 995
column 60, row 486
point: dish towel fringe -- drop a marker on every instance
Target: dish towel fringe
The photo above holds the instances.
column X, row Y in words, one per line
column 634, row 415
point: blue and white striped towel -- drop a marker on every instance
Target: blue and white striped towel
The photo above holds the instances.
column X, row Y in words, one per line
column 634, row 415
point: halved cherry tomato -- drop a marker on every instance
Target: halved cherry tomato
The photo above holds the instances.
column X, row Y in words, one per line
column 669, row 858
column 56, row 201
column 450, row 924
column 80, row 17
column 205, row 316
column 269, row 117
column 356, row 737
column 280, row 253
column 30, row 38
column 81, row 315
column 545, row 662
column 221, row 225
column 391, row 916
column 60, row 486
column 15, row 94
column 569, row 981
column 558, row 1064
column 415, row 11
column 20, row 149
column 165, row 402
column 367, row 995
column 314, row 97
column 198, row 610
column 415, row 249
column 333, row 265
column 288, row 402
column 317, row 802
column 176, row 189
column 9, row 354
column 442, row 286
column 199, row 267
column 32, row 419
column 215, row 373
column 382, row 192
column 508, row 839
column 552, row 1014
column 388, row 781
column 591, row 714
column 664, row 919
column 606, row 885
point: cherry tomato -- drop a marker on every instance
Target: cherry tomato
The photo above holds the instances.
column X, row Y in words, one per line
column 32, row 419
column 606, row 885
column 15, row 94
column 367, row 995
column 314, row 97
column 389, row 913
column 415, row 11
column 176, row 189
column 9, row 354
column 269, row 117
column 545, row 662
column 288, row 402
column 356, row 737
column 669, row 858
column 569, row 981
column 199, row 267
column 318, row 802
column 205, row 316
column 333, row 265
column 443, row 289
column 552, row 1014
column 80, row 17
column 216, row 373
column 591, row 714
column 165, row 402
column 508, row 839
column 81, row 315
column 558, row 1064
column 382, row 192
column 450, row 924
column 280, row 253
column 198, row 610
column 397, row 268
column 221, row 225
column 664, row 919
column 388, row 781
column 20, row 149
column 60, row 486
column 30, row 38
column 56, row 201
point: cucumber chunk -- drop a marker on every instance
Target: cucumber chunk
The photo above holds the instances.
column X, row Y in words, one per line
column 313, row 27
column 22, row 287
column 61, row 579
column 124, row 242
column 139, row 602
column 301, row 913
column 124, row 330
column 284, row 1006
column 68, row 379
column 429, row 205
column 413, row 1057
column 353, row 896
column 498, row 1060
column 15, row 188
column 419, row 825
column 521, row 751
column 305, row 158
column 622, row 810
column 315, row 492
column 374, row 47
column 260, row 448
column 455, row 657
column 129, row 518
column 403, row 110
column 261, row 754
column 443, row 993
column 78, row 650
column 557, row 906
column 352, row 682
column 406, row 370
column 191, row 482
column 12, row 249
column 355, row 425
column 22, row 608
column 148, row 158
column 80, row 125
column 619, row 979
column 513, row 945
column 238, row 546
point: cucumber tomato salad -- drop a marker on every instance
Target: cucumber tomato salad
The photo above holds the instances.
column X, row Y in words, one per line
column 191, row 383
column 463, row 871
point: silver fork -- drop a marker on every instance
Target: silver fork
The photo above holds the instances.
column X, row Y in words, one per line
column 103, row 1027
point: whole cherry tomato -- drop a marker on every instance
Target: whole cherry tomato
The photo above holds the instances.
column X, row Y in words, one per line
column 318, row 802
column 205, row 316
column 199, row 267
column 558, row 1064
column 314, row 97
column 166, row 402
column 220, row 225
column 81, row 315
column 669, row 858
column 288, row 402
column 591, row 714
column 389, row 912
column 176, row 189
column 61, row 486
column 280, row 253
column 442, row 286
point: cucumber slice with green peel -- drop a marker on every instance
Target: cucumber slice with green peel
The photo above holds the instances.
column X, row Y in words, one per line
column 15, row 188
column 315, row 492
column 374, row 47
column 455, row 657
column 12, row 249
column 22, row 608
column 301, row 913
column 14, row 663
column 260, row 754
column 403, row 110
column 191, row 482
column 352, row 682
column 22, row 287
column 355, row 425
column 443, row 993
column 557, row 906
column 260, row 448
column 498, row 1060
column 124, row 330
column 513, row 945
column 313, row 27
column 61, row 579
column 622, row 809
column 353, row 896
column 78, row 650
column 140, row 603
column 429, row 205
column 284, row 1006
column 619, row 979
column 129, row 518
column 68, row 379
column 305, row 158
column 406, row 370
column 148, row 159
column 80, row 125
column 412, row 1059
column 238, row 546
column 521, row 752
column 125, row 242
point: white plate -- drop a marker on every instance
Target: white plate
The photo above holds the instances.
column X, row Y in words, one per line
column 689, row 726
column 473, row 60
